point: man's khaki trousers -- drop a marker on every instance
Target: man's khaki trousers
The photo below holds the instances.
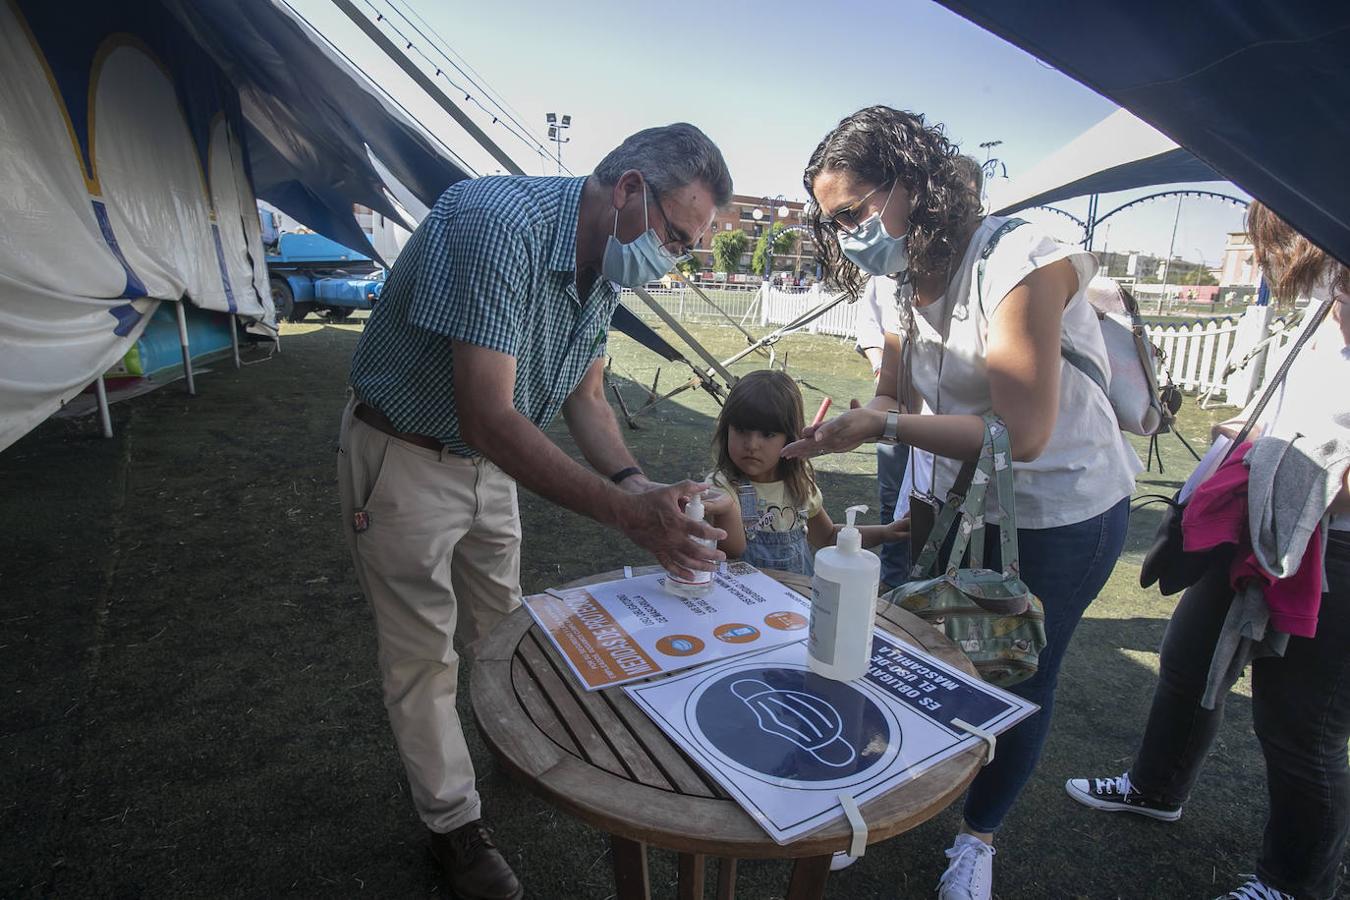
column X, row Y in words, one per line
column 435, row 539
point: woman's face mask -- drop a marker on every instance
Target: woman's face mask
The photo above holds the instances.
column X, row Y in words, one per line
column 639, row 261
column 873, row 250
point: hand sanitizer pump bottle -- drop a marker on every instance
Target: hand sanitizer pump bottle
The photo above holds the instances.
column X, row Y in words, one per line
column 701, row 582
column 843, row 603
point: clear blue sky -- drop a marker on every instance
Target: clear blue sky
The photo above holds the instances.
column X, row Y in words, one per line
column 766, row 82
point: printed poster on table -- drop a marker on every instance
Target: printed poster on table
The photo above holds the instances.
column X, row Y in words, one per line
column 620, row 631
column 786, row 742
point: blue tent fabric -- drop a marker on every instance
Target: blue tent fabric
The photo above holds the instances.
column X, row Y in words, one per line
column 310, row 117
column 1257, row 91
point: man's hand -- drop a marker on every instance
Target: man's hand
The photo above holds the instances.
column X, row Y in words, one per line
column 654, row 519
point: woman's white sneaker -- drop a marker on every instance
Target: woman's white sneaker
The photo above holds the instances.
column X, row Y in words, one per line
column 1118, row 795
column 970, row 874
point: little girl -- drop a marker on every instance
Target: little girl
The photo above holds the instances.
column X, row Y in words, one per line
column 770, row 508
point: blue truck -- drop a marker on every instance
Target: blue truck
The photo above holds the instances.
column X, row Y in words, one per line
column 310, row 273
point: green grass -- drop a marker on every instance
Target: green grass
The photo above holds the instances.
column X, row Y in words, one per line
column 191, row 704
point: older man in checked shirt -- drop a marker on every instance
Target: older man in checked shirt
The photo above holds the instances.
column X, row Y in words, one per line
column 493, row 321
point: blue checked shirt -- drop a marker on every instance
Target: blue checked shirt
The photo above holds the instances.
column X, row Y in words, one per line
column 493, row 264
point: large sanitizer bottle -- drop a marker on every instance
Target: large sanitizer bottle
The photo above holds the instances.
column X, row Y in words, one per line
column 701, row 582
column 843, row 603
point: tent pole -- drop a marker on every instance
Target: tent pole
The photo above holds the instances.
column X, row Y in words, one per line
column 234, row 340
column 685, row 336
column 104, row 414
column 423, row 81
column 181, row 313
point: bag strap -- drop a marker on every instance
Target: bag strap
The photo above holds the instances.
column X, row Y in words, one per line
column 972, row 510
column 1318, row 318
column 942, row 525
column 965, row 507
column 1080, row 362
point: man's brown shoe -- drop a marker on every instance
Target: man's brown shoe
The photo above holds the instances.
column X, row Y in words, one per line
column 474, row 868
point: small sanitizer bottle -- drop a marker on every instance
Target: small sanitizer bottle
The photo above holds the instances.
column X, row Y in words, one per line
column 843, row 604
column 701, row 582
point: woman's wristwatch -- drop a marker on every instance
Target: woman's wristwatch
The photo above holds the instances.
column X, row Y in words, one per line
column 890, row 433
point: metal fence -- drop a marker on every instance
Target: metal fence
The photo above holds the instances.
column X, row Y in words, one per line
column 739, row 303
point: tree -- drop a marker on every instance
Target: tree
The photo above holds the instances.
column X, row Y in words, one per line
column 727, row 248
column 690, row 267
column 780, row 239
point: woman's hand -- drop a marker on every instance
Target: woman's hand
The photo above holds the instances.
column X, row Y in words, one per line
column 840, row 434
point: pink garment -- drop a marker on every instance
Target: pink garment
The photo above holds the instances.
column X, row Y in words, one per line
column 1217, row 515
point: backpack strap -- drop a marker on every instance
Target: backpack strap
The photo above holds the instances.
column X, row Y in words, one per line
column 988, row 251
column 1080, row 362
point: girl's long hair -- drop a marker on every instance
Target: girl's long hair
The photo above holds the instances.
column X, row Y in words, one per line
column 879, row 145
column 765, row 400
column 1297, row 261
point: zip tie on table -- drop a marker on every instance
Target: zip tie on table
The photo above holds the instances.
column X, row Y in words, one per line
column 858, row 846
column 987, row 736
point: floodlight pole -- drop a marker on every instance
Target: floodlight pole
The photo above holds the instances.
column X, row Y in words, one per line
column 556, row 127
column 1167, row 263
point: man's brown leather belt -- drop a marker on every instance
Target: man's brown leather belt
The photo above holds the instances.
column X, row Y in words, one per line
column 377, row 420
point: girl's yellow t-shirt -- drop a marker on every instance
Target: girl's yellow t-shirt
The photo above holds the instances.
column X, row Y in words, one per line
column 767, row 506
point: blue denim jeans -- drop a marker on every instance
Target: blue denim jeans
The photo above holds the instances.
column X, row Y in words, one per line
column 891, row 462
column 1065, row 567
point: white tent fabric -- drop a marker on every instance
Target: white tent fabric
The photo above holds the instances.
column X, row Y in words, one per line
column 1118, row 153
column 69, row 306
column 59, row 279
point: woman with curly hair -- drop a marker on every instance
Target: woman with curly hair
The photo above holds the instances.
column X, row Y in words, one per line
column 985, row 305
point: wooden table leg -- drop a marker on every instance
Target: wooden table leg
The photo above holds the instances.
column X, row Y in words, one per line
column 726, row 878
column 808, row 878
column 630, row 869
column 691, row 876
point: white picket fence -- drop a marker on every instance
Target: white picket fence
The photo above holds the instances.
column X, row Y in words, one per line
column 1196, row 356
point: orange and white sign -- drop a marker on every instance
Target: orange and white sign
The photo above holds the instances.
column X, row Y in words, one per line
column 629, row 629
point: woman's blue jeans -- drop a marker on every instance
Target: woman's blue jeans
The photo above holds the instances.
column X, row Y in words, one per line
column 1065, row 567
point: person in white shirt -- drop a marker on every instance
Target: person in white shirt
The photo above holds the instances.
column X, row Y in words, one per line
column 983, row 333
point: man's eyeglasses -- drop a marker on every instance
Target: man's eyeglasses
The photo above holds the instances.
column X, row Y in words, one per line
column 850, row 218
column 677, row 243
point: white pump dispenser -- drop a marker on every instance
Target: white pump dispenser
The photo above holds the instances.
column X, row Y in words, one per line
column 701, row 582
column 843, row 603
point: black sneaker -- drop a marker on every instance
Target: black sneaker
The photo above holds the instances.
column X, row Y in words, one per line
column 1256, row 889
column 1118, row 795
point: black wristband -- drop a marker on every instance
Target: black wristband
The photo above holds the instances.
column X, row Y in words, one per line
column 620, row 475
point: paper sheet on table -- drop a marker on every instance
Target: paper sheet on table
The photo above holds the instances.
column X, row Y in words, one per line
column 786, row 742
column 620, row 631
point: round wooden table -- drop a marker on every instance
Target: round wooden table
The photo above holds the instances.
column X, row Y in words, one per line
column 600, row 758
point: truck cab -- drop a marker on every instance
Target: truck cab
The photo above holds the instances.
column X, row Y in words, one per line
column 310, row 273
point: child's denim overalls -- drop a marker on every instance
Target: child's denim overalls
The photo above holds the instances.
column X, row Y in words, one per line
column 788, row 551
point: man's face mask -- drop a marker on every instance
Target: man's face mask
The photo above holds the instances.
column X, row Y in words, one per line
column 639, row 261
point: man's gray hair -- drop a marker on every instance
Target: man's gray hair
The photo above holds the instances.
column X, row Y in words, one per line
column 670, row 157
